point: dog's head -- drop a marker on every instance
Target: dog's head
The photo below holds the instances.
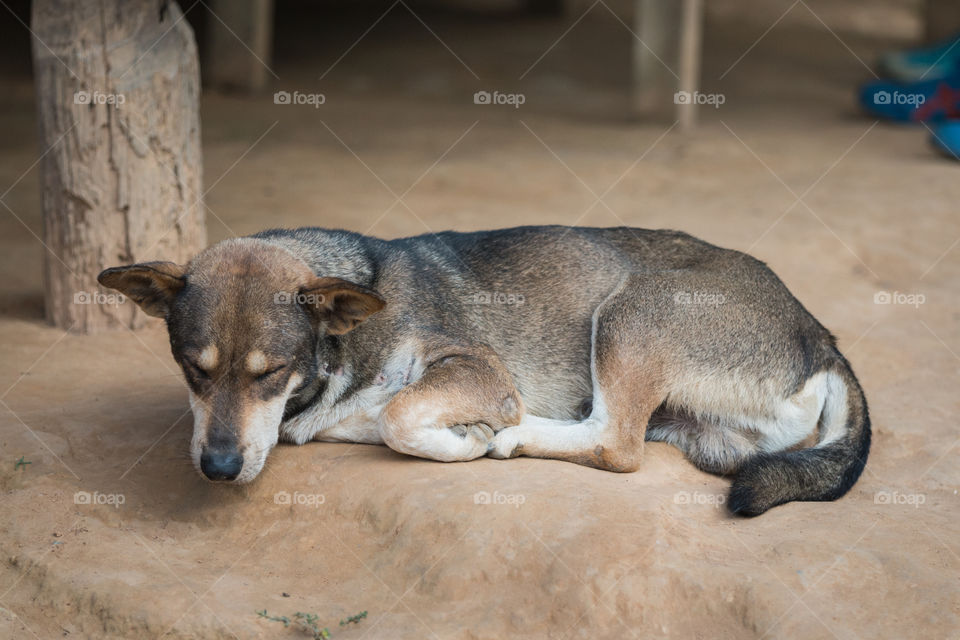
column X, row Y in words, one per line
column 248, row 325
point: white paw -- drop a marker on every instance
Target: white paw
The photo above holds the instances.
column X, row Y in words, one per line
column 474, row 440
column 506, row 444
column 478, row 432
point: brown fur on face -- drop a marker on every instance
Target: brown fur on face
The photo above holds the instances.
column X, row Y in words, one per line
column 244, row 331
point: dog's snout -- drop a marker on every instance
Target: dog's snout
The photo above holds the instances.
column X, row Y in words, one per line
column 221, row 465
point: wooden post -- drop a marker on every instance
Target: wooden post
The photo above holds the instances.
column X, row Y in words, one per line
column 544, row 7
column 691, row 34
column 117, row 86
column 654, row 57
column 941, row 19
column 240, row 40
column 666, row 59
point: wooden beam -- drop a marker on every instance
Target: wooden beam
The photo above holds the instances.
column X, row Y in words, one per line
column 666, row 58
column 691, row 35
column 941, row 19
column 654, row 57
column 240, row 42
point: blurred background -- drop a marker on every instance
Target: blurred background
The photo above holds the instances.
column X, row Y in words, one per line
column 399, row 118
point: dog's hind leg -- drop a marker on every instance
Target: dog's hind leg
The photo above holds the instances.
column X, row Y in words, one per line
column 628, row 385
column 711, row 446
column 451, row 413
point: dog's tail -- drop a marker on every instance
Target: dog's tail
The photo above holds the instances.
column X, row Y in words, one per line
column 825, row 471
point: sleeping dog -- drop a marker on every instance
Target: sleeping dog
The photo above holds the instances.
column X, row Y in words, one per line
column 555, row 342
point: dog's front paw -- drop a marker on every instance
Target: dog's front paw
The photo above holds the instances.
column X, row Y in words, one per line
column 480, row 434
column 506, row 444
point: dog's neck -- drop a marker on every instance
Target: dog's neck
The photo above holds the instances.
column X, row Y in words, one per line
column 351, row 362
column 311, row 392
column 345, row 365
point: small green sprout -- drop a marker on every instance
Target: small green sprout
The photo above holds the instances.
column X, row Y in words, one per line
column 354, row 619
column 284, row 619
column 310, row 622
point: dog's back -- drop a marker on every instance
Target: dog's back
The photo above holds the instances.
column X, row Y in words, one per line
column 530, row 293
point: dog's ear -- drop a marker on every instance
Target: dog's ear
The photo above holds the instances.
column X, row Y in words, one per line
column 339, row 304
column 152, row 285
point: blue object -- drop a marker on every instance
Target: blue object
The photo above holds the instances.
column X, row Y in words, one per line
column 945, row 137
column 923, row 63
column 927, row 101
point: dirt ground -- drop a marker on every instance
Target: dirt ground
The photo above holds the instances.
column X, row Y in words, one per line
column 842, row 208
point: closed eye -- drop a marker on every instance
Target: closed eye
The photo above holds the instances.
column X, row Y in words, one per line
column 267, row 374
column 197, row 371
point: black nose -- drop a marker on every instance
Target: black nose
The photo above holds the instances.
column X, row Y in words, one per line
column 221, row 465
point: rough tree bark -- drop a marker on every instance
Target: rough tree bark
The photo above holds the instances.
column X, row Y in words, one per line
column 117, row 86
